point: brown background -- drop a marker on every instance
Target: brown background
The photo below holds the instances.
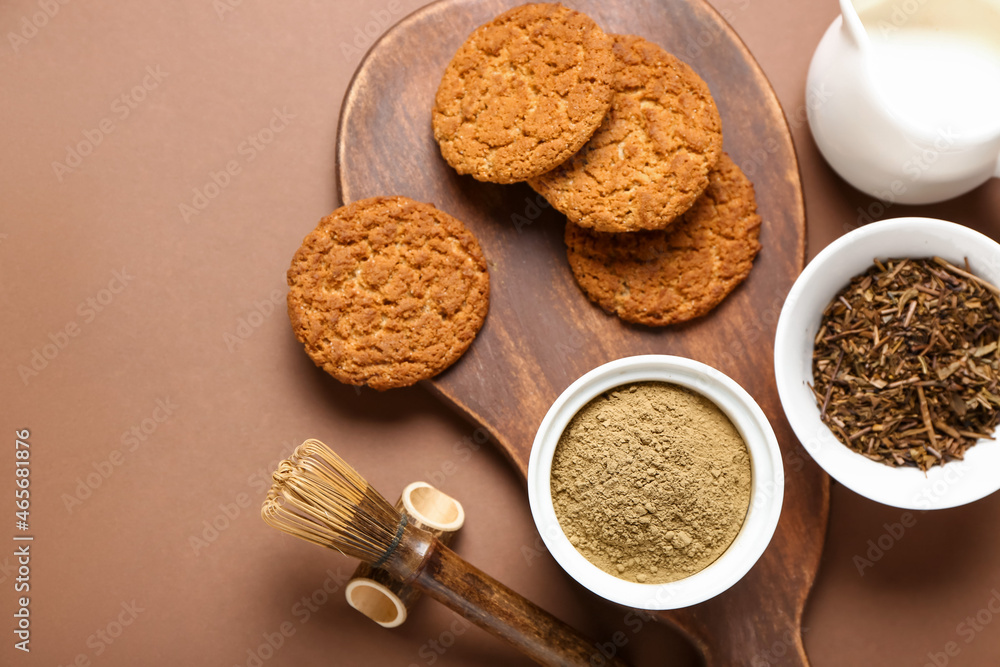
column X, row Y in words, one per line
column 183, row 331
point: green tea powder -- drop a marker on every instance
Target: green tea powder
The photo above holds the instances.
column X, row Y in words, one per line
column 651, row 482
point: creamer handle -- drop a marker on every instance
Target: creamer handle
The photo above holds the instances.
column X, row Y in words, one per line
column 852, row 26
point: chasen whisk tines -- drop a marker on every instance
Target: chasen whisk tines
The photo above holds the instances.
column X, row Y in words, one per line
column 318, row 497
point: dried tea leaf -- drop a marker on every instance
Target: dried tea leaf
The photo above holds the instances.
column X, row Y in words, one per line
column 906, row 365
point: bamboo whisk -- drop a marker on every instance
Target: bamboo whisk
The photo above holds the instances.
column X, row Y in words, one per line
column 318, row 497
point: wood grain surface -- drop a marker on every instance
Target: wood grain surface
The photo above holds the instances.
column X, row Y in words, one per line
column 542, row 333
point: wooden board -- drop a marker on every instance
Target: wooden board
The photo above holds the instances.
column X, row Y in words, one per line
column 542, row 333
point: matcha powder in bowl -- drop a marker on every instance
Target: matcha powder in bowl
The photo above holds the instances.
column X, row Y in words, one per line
column 651, row 482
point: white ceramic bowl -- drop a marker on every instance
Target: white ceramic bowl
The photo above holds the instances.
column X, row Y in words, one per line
column 766, row 494
column 955, row 483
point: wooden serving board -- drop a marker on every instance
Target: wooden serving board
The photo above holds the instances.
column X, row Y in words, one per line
column 542, row 333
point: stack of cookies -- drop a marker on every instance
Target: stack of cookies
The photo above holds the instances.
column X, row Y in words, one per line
column 616, row 133
column 621, row 137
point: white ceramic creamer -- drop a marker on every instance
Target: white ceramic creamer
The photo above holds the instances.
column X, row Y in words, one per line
column 905, row 97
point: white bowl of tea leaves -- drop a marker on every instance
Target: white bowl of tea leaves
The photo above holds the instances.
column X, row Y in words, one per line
column 887, row 362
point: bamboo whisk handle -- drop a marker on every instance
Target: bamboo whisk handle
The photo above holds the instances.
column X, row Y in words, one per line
column 450, row 580
column 378, row 594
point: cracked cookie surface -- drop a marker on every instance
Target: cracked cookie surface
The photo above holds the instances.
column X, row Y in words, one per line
column 650, row 159
column 523, row 93
column 665, row 277
column 387, row 291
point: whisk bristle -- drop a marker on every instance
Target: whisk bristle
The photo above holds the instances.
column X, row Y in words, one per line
column 318, row 497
